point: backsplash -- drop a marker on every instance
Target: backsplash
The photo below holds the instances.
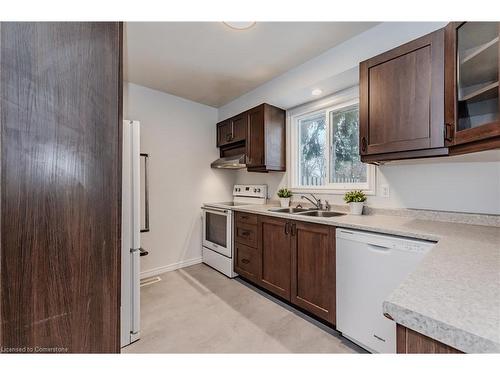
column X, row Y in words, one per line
column 453, row 184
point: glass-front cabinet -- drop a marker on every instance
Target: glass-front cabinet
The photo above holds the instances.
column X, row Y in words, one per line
column 471, row 79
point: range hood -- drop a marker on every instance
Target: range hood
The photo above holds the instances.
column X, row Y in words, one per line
column 230, row 162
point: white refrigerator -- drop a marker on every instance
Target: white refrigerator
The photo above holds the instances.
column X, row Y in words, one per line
column 131, row 232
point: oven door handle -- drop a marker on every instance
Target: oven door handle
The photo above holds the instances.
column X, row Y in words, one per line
column 214, row 210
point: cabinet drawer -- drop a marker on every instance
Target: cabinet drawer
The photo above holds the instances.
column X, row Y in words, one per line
column 246, row 234
column 247, row 261
column 242, row 217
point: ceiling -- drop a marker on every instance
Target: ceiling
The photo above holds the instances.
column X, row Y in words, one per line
column 210, row 63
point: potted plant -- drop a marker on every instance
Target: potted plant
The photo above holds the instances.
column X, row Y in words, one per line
column 355, row 199
column 284, row 194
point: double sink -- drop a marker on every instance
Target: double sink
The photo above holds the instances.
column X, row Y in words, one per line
column 306, row 212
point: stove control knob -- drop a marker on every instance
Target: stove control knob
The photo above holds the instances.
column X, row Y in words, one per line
column 258, row 190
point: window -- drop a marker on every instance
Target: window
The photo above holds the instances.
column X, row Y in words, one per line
column 325, row 150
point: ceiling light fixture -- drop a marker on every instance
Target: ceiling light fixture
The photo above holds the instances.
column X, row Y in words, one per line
column 239, row 25
column 316, row 92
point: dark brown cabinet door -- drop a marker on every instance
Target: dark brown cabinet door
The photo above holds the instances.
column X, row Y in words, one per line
column 223, row 133
column 60, row 99
column 313, row 269
column 412, row 342
column 247, row 262
column 255, row 138
column 402, row 98
column 239, row 126
column 471, row 85
column 274, row 247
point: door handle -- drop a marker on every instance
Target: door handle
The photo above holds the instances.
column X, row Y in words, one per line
column 363, row 144
column 287, row 228
column 294, row 229
column 146, row 194
column 245, row 233
column 448, row 132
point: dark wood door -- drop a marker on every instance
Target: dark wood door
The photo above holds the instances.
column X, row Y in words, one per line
column 402, row 98
column 239, row 126
column 61, row 97
column 223, row 133
column 412, row 342
column 255, row 138
column 274, row 247
column 472, row 96
column 313, row 269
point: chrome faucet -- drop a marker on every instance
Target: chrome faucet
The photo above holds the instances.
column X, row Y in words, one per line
column 316, row 203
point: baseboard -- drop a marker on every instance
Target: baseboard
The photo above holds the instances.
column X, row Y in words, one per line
column 170, row 267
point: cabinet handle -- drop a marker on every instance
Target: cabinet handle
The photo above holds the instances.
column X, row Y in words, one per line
column 363, row 144
column 294, row 229
column 244, row 217
column 245, row 261
column 448, row 131
column 287, row 228
column 245, row 233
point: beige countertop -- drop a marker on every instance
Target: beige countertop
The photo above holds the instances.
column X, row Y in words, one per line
column 453, row 295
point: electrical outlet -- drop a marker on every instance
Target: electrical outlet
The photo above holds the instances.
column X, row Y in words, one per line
column 385, row 191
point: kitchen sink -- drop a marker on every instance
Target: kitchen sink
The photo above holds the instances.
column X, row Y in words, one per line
column 321, row 213
column 288, row 210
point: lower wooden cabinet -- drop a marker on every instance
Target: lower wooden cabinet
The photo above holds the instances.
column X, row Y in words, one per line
column 247, row 262
column 313, row 269
column 294, row 260
column 274, row 247
column 411, row 342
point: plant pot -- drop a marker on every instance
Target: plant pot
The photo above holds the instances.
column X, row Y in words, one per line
column 356, row 208
column 285, row 202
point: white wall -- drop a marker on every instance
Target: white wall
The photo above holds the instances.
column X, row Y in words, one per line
column 463, row 184
column 179, row 135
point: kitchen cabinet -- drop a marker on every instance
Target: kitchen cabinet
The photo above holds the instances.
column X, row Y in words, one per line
column 294, row 260
column 313, row 268
column 402, row 101
column 265, row 146
column 259, row 133
column 247, row 261
column 411, row 342
column 247, row 255
column 472, row 61
column 223, row 133
column 274, row 247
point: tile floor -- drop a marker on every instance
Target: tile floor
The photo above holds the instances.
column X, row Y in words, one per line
column 198, row 310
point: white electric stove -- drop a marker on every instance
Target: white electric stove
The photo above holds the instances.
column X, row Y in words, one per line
column 217, row 246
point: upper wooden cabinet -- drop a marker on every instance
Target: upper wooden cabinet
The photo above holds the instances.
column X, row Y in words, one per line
column 437, row 95
column 232, row 131
column 472, row 61
column 223, row 133
column 266, row 139
column 259, row 133
column 402, row 101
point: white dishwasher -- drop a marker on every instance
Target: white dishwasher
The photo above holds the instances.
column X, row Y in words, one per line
column 369, row 267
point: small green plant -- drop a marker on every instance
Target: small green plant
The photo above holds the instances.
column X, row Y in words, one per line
column 284, row 193
column 354, row 196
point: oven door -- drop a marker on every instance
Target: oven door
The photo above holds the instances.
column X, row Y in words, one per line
column 217, row 230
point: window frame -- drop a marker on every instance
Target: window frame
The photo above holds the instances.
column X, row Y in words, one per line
column 344, row 99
